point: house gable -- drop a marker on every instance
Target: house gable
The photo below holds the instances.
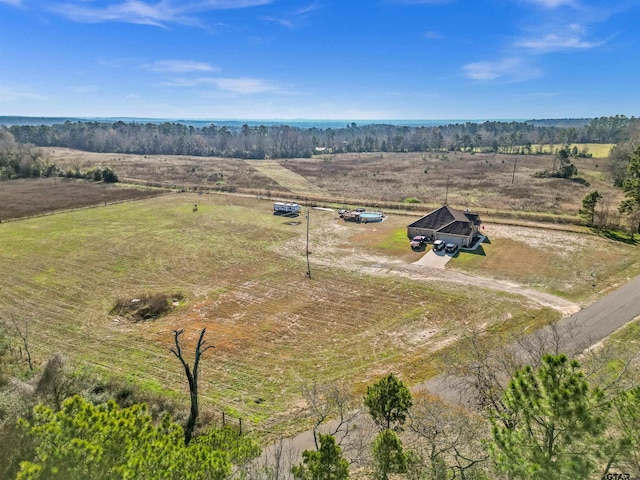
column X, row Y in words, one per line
column 457, row 228
column 435, row 220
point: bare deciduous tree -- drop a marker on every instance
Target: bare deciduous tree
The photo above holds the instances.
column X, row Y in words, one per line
column 334, row 410
column 275, row 462
column 485, row 371
column 21, row 329
column 331, row 402
column 192, row 378
column 446, row 441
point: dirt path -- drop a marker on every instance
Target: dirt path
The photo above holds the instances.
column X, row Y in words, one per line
column 430, row 274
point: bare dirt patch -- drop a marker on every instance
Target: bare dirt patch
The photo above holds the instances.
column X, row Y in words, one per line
column 148, row 306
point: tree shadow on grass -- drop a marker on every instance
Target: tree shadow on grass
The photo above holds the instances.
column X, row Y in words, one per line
column 617, row 236
column 581, row 181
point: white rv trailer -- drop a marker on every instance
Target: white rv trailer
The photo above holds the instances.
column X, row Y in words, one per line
column 281, row 207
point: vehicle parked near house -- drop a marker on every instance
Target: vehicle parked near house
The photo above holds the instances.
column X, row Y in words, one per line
column 451, row 248
column 418, row 241
column 438, row 245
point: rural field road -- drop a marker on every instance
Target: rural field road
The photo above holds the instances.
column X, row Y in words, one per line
column 425, row 273
column 586, row 328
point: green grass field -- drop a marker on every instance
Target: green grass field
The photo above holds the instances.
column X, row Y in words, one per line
column 597, row 150
column 242, row 273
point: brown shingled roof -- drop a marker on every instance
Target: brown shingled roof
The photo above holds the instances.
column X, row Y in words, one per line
column 448, row 220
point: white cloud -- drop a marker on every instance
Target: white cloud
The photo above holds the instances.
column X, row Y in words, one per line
column 16, row 3
column 306, row 10
column 511, row 69
column 239, row 85
column 293, row 19
column 9, row 94
column 432, row 35
column 243, row 85
column 178, row 66
column 552, row 42
column 159, row 14
column 553, row 3
column 282, row 21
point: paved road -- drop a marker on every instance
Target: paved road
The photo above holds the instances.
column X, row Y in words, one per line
column 603, row 317
column 582, row 330
column 586, row 328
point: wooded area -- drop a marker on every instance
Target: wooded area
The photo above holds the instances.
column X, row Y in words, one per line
column 283, row 141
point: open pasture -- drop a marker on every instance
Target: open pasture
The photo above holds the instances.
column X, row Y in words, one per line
column 464, row 180
column 476, row 181
column 242, row 272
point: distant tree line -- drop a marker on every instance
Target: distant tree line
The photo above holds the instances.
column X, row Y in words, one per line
column 19, row 160
column 283, row 141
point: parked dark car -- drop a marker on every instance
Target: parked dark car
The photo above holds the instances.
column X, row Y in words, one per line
column 450, row 248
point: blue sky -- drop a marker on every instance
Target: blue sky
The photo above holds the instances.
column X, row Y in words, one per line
column 320, row 59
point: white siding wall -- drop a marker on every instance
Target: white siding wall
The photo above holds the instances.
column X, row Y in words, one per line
column 457, row 239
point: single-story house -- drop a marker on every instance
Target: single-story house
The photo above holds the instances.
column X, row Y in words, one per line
column 447, row 224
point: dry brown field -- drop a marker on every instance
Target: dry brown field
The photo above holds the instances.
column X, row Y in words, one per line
column 168, row 170
column 477, row 181
column 28, row 197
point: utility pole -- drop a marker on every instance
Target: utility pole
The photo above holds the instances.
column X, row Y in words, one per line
column 513, row 177
column 308, row 264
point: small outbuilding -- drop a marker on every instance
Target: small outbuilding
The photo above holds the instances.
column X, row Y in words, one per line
column 449, row 225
